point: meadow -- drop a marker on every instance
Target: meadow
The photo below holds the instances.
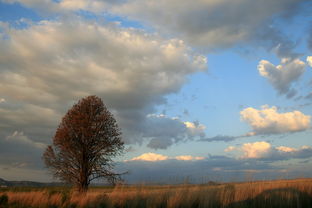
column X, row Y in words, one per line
column 278, row 193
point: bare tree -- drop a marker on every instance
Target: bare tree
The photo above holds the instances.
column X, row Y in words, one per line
column 84, row 144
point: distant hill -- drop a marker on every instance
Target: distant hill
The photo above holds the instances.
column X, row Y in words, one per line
column 4, row 183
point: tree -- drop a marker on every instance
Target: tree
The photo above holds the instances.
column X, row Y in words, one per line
column 84, row 144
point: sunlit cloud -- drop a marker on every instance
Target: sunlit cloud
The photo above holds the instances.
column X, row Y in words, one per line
column 264, row 150
column 256, row 149
column 269, row 121
column 188, row 158
column 153, row 157
column 309, row 61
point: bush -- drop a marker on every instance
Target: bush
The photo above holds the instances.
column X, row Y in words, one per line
column 4, row 200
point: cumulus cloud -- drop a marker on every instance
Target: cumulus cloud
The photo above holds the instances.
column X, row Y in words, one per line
column 131, row 70
column 164, row 131
column 256, row 149
column 282, row 76
column 285, row 149
column 229, row 149
column 268, row 121
column 309, row 61
column 188, row 158
column 48, row 66
column 152, row 157
column 264, row 150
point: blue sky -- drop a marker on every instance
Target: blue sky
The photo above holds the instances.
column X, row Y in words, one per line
column 215, row 88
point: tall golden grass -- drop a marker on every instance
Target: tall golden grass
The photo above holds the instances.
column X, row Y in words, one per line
column 280, row 193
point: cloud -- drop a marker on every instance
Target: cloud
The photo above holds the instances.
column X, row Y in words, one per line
column 219, row 138
column 164, row 131
column 131, row 70
column 152, row 157
column 2, row 100
column 256, row 149
column 188, row 158
column 195, row 128
column 229, row 149
column 204, row 24
column 265, row 151
column 212, row 24
column 285, row 149
column 18, row 148
column 218, row 168
column 309, row 61
column 268, row 121
column 19, row 137
column 282, row 76
column 48, row 66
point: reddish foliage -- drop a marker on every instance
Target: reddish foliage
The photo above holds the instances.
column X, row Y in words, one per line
column 84, row 144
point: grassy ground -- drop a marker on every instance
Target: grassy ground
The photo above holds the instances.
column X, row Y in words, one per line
column 275, row 194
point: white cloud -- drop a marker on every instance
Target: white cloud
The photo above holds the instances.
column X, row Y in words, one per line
column 188, row 158
column 268, row 121
column 229, row 149
column 256, row 149
column 153, row 157
column 2, row 100
column 195, row 128
column 264, row 150
column 283, row 75
column 285, row 149
column 309, row 61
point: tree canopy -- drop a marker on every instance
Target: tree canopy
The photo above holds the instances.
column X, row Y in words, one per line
column 84, row 144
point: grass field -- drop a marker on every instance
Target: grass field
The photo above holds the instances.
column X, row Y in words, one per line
column 278, row 193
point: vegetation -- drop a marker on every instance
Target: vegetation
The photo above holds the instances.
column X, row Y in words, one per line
column 84, row 144
column 270, row 194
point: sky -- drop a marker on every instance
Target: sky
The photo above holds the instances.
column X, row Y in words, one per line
column 202, row 90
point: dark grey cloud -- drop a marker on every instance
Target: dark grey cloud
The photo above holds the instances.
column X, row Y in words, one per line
column 18, row 151
column 165, row 131
column 279, row 154
column 219, row 138
column 218, row 24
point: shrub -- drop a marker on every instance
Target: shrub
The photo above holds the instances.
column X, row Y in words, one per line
column 4, row 200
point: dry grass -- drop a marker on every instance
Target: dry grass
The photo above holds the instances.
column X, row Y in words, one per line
column 281, row 193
